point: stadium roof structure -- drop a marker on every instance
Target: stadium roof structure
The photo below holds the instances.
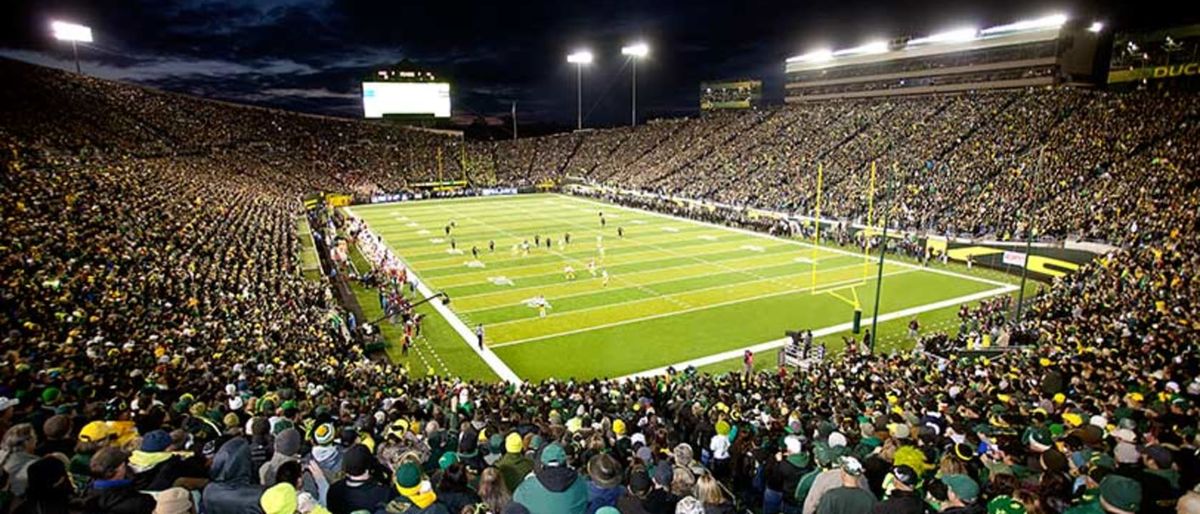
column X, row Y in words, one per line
column 957, row 40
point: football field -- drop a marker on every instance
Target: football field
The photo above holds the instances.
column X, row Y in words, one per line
column 678, row 292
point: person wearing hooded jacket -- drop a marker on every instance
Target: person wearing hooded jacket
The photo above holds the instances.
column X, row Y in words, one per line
column 233, row 489
column 554, row 487
column 785, row 473
column 49, row 488
column 287, row 449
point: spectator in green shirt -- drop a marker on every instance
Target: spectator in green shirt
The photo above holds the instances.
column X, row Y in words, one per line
column 849, row 498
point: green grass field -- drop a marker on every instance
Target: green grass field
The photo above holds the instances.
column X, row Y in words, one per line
column 310, row 264
column 680, row 292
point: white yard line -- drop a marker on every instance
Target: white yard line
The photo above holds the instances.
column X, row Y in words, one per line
column 669, row 297
column 689, row 276
column 574, row 247
column 675, row 313
column 615, row 259
column 792, row 241
column 507, row 374
column 779, row 343
column 535, row 274
column 579, row 261
column 498, row 366
column 677, row 253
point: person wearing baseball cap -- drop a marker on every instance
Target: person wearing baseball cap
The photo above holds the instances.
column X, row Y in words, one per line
column 6, row 409
column 156, row 467
column 962, row 493
column 1159, row 479
column 554, row 488
column 848, row 498
column 660, row 498
column 1118, row 495
column 845, row 470
column 113, row 490
column 903, row 498
column 783, row 475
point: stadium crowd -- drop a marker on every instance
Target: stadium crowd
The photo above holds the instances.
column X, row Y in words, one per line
column 968, row 165
column 164, row 354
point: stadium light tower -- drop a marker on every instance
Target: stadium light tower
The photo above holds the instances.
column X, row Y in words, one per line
column 635, row 51
column 579, row 59
column 75, row 33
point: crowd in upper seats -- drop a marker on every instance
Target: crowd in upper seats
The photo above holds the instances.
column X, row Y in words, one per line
column 307, row 153
column 164, row 354
column 988, row 164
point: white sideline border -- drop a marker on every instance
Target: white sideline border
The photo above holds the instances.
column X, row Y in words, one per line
column 588, row 292
column 1002, row 288
column 496, row 363
column 778, row 343
column 840, row 285
column 505, row 373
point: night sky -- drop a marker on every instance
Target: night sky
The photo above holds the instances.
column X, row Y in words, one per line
column 310, row 55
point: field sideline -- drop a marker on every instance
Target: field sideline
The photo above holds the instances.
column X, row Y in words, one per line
column 680, row 291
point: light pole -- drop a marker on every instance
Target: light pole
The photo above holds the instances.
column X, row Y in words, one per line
column 635, row 51
column 1028, row 244
column 74, row 33
column 579, row 58
column 879, row 275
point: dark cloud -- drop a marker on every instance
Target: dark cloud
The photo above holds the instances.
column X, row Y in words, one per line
column 311, row 54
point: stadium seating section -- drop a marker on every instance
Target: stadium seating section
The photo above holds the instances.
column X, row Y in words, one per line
column 152, row 300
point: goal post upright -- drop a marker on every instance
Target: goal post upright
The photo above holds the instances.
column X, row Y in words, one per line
column 868, row 227
column 816, row 228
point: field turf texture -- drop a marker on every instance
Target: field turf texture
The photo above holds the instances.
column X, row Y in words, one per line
column 680, row 292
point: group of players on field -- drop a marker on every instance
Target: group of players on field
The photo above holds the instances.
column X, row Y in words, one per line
column 524, row 247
